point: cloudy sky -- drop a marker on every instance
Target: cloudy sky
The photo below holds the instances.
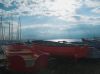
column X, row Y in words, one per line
column 53, row 19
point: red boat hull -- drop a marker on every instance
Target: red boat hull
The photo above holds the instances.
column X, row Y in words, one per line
column 67, row 51
column 39, row 53
column 20, row 56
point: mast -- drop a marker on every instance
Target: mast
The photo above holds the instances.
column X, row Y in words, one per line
column 19, row 29
column 11, row 28
column 1, row 29
column 4, row 33
column 9, row 31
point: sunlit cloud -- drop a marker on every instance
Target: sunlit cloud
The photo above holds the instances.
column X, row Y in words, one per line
column 88, row 20
column 49, row 26
column 47, row 8
column 64, row 10
column 96, row 10
column 92, row 3
column 7, row 3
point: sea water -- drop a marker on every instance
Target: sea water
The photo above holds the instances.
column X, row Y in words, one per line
column 67, row 40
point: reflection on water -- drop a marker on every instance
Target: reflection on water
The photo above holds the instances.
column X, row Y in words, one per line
column 67, row 40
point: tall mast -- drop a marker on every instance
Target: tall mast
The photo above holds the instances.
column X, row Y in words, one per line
column 9, row 30
column 1, row 29
column 4, row 33
column 19, row 29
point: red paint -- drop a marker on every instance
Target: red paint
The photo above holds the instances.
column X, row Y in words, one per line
column 40, row 53
column 68, row 51
column 16, row 62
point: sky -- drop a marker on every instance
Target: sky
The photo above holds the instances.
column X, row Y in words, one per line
column 53, row 19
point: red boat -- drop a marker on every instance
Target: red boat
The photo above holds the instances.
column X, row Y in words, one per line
column 22, row 58
column 34, row 58
column 62, row 49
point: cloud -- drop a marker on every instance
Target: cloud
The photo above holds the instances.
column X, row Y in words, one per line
column 93, row 20
column 92, row 3
column 7, row 3
column 58, row 8
column 47, row 26
column 63, row 9
column 96, row 10
column 51, row 31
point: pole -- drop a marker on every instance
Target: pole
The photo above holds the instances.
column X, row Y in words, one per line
column 1, row 29
column 9, row 31
column 19, row 28
column 12, row 28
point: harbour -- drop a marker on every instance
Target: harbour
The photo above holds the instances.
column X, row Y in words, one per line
column 49, row 37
